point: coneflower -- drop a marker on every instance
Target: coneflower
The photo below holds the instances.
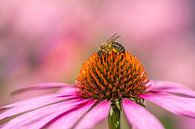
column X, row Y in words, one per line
column 110, row 82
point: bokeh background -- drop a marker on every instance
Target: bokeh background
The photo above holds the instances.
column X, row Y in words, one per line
column 47, row 41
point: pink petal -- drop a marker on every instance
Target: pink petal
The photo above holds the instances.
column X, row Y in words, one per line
column 68, row 91
column 177, row 105
column 65, row 93
column 36, row 119
column 44, row 86
column 170, row 87
column 68, row 120
column 33, row 103
column 139, row 117
column 97, row 114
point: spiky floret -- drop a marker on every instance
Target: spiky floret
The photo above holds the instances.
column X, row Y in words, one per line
column 112, row 76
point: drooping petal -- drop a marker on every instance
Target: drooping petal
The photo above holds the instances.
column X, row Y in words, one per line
column 68, row 91
column 68, row 119
column 44, row 86
column 178, row 105
column 96, row 115
column 170, row 87
column 37, row 118
column 33, row 103
column 139, row 117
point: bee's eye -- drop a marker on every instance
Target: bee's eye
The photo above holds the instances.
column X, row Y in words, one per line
column 102, row 47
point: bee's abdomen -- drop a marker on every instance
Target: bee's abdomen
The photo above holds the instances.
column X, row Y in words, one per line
column 118, row 47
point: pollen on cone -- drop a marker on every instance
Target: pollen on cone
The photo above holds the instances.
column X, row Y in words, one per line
column 112, row 76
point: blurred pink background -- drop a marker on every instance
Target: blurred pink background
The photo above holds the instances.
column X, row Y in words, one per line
column 46, row 41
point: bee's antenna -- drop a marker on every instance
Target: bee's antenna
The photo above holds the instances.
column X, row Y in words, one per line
column 113, row 38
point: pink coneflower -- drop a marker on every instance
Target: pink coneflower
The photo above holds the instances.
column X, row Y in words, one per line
column 110, row 82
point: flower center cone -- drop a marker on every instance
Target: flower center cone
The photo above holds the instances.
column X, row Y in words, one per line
column 113, row 75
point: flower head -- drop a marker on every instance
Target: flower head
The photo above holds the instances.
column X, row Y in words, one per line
column 111, row 73
column 111, row 81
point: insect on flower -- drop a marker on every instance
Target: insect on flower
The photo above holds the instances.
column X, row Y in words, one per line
column 110, row 81
column 110, row 45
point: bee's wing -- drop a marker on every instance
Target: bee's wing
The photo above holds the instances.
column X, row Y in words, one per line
column 113, row 38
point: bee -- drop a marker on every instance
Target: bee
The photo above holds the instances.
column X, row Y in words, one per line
column 111, row 46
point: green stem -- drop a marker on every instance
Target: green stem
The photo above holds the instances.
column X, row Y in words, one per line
column 114, row 115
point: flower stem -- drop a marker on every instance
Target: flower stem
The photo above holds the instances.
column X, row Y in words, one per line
column 114, row 115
